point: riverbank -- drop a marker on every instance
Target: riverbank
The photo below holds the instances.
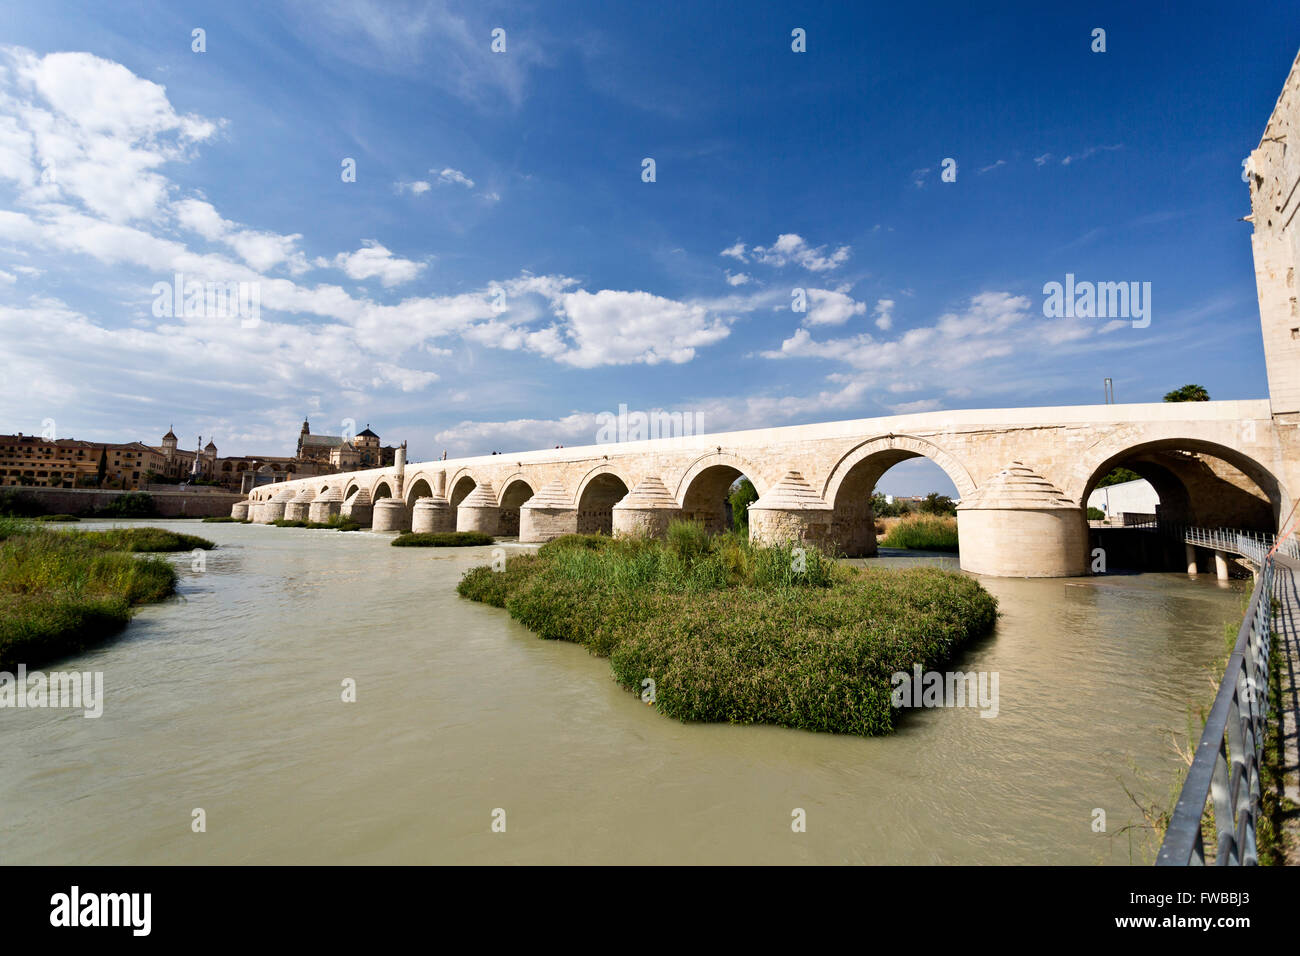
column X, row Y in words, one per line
column 718, row 630
column 65, row 591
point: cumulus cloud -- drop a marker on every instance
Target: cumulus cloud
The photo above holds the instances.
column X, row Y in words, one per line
column 884, row 313
column 80, row 128
column 735, row 278
column 831, row 307
column 790, row 249
column 374, row 261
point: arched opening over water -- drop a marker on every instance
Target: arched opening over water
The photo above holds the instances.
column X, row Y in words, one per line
column 1194, row 483
column 859, row 483
column 461, row 489
column 596, row 503
column 420, row 488
column 515, row 493
column 382, row 490
column 707, row 498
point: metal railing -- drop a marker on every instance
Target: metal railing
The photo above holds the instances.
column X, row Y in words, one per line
column 1225, row 767
column 1250, row 544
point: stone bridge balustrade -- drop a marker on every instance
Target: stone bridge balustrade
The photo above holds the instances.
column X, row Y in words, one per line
column 479, row 511
column 548, row 514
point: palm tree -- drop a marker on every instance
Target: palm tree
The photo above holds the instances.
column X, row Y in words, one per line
column 1188, row 393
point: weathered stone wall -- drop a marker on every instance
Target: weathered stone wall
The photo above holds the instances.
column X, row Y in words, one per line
column 167, row 504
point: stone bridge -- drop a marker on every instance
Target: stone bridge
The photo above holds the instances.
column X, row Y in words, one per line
column 1022, row 476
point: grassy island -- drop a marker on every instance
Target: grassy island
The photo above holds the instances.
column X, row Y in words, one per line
column 922, row 532
column 63, row 591
column 441, row 539
column 737, row 633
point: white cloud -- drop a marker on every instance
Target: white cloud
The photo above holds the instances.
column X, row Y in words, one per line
column 1043, row 159
column 417, row 188
column 736, row 252
column 735, row 278
column 373, row 260
column 992, row 166
column 617, row 328
column 449, row 175
column 791, row 249
column 86, row 129
column 831, row 307
column 884, row 313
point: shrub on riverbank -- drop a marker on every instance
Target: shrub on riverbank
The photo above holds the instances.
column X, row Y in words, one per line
column 58, row 518
column 225, row 519
column 441, row 539
column 65, row 591
column 738, row 633
column 923, row 533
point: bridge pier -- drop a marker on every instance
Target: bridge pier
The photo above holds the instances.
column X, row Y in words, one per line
column 646, row 511
column 390, row 514
column 1221, row 565
column 1019, row 525
column 546, row 515
column 273, row 510
column 325, row 506
column 1190, row 551
column 791, row 511
column 297, row 509
column 359, row 508
column 432, row 516
column 239, row 510
column 479, row 511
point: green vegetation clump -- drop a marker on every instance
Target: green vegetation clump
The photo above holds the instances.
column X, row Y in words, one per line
column 742, row 496
column 737, row 633
column 1188, row 393
column 226, row 519
column 441, row 539
column 1117, row 476
column 923, row 533
column 63, row 591
column 58, row 518
column 336, row 523
column 1096, row 514
column 142, row 539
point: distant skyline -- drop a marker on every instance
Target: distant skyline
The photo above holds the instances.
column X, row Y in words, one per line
column 500, row 274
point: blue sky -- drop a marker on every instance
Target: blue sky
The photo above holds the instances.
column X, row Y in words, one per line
column 499, row 273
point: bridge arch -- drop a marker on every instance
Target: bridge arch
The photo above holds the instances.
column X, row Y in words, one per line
column 382, row 488
column 1232, row 489
column 515, row 490
column 599, row 490
column 892, row 449
column 459, row 486
column 704, row 488
column 417, row 487
column 852, row 480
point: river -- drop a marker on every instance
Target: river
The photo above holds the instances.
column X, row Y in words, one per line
column 228, row 698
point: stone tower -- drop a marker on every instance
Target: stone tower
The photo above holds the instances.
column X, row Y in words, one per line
column 1273, row 171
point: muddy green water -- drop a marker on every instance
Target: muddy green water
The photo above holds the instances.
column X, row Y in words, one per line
column 228, row 698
